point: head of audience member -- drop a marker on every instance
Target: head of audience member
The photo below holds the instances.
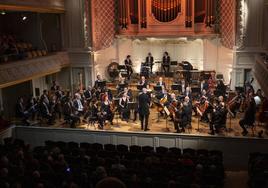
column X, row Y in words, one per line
column 160, row 79
column 149, row 54
column 110, row 182
column 221, row 99
column 98, row 77
column 128, row 56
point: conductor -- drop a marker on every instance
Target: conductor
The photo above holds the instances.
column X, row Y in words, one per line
column 144, row 111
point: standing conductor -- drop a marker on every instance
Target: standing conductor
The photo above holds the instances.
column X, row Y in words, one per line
column 144, row 111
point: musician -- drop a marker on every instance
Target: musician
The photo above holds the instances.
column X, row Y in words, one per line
column 188, row 92
column 249, row 116
column 204, row 85
column 21, row 111
column 150, row 61
column 186, row 113
column 121, row 85
column 177, row 119
column 106, row 110
column 54, row 86
column 166, row 62
column 98, row 82
column 123, row 107
column 68, row 112
column 220, row 89
column 44, row 96
column 143, row 82
column 235, row 103
column 128, row 64
column 218, row 116
column 77, row 104
column 161, row 83
column 44, row 111
column 88, row 94
column 129, row 93
column 144, row 111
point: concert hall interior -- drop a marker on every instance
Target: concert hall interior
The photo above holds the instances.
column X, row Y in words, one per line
column 112, row 93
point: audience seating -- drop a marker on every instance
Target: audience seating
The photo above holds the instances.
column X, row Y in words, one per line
column 258, row 170
column 11, row 49
column 66, row 164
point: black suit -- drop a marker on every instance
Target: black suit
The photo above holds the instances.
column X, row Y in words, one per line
column 128, row 64
column 166, row 63
column 144, row 111
column 150, row 62
column 144, row 85
column 68, row 114
column 249, row 116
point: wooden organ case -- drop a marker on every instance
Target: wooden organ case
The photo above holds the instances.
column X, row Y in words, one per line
column 166, row 17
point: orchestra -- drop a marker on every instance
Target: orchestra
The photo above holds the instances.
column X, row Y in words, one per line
column 210, row 102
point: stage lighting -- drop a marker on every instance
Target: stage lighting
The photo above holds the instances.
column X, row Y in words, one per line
column 24, row 18
column 3, row 12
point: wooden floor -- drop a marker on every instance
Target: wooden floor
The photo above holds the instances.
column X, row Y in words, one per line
column 167, row 127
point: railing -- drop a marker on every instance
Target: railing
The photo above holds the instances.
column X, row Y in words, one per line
column 20, row 71
column 261, row 73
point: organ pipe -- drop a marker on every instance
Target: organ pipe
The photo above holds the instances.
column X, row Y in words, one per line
column 210, row 12
column 165, row 10
column 188, row 19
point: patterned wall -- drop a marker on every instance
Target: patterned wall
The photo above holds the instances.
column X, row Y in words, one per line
column 227, row 17
column 103, row 21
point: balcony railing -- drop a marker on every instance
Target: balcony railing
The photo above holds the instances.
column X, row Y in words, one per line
column 20, row 71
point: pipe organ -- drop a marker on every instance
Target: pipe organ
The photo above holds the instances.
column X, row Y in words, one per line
column 166, row 17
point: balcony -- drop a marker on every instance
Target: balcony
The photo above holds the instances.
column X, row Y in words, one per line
column 20, row 71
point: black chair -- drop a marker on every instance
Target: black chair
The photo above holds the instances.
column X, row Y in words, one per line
column 161, row 150
column 97, row 147
column 135, row 148
column 190, row 151
column 85, row 145
column 109, row 147
column 147, row 149
column 122, row 148
column 175, row 151
column 61, row 144
column 73, row 145
column 202, row 152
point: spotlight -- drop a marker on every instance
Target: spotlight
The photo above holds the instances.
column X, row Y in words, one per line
column 24, row 18
column 3, row 12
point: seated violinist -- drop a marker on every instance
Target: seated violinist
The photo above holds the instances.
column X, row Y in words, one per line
column 218, row 116
column 68, row 112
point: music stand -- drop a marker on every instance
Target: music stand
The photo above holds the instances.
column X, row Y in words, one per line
column 158, row 88
column 121, row 67
column 169, row 74
column 176, row 87
column 116, row 102
column 195, row 89
column 132, row 107
column 122, row 86
column 102, row 84
column 139, row 87
column 173, row 63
